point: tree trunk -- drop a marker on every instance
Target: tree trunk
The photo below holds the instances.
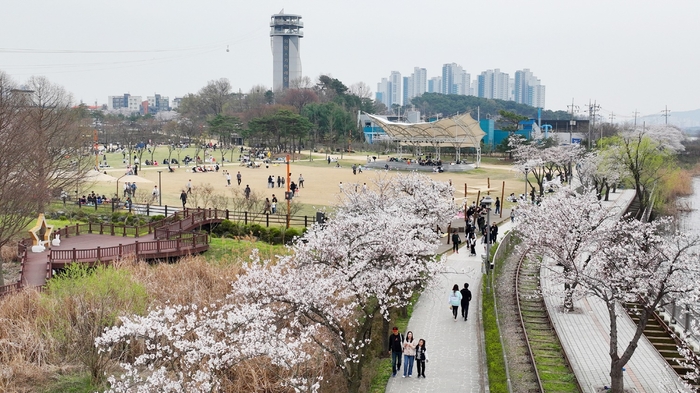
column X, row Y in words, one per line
column 617, row 382
column 2, row 274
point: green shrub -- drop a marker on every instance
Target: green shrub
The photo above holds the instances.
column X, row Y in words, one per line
column 274, row 236
column 291, row 233
column 257, row 230
column 157, row 217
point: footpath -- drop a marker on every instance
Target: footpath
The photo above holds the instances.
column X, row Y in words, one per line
column 584, row 334
column 456, row 362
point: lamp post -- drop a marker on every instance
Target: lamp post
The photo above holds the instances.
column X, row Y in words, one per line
column 288, row 195
column 486, row 204
column 160, row 190
column 527, row 170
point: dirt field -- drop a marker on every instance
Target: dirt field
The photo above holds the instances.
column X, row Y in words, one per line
column 321, row 180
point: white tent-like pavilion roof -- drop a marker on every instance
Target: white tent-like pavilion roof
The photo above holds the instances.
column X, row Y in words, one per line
column 459, row 131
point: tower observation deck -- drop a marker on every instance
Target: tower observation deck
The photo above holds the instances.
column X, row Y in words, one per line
column 285, row 32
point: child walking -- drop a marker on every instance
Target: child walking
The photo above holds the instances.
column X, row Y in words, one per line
column 421, row 357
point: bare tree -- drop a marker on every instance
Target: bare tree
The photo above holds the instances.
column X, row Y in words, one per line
column 56, row 138
column 17, row 201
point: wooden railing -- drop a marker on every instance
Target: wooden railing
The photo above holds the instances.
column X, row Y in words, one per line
column 250, row 218
column 187, row 243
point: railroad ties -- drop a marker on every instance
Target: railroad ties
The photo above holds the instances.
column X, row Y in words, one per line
column 546, row 353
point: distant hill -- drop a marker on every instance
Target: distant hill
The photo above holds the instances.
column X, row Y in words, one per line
column 686, row 120
column 451, row 104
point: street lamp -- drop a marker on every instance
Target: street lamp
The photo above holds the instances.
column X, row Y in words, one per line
column 527, row 170
column 486, row 204
column 160, row 190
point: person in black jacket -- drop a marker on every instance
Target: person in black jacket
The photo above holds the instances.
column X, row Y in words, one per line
column 466, row 298
column 455, row 241
column 395, row 349
column 421, row 357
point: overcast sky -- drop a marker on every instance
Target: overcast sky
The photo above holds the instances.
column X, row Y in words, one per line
column 627, row 55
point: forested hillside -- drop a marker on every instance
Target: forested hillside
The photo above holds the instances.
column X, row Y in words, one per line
column 450, row 104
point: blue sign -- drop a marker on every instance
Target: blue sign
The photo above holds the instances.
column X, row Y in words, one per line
column 576, row 140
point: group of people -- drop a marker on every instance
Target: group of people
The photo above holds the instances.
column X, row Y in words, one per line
column 410, row 350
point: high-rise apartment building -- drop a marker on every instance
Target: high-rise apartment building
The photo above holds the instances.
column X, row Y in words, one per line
column 454, row 79
column 285, row 33
column 527, row 89
column 395, row 89
column 435, row 85
column 494, row 84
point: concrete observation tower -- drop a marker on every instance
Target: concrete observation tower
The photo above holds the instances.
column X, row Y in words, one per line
column 285, row 32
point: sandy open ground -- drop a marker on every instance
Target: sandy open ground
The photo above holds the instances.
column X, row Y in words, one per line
column 321, row 180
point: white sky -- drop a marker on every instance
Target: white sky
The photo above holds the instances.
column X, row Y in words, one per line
column 627, row 55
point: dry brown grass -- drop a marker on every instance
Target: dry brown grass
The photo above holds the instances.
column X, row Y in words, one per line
column 189, row 281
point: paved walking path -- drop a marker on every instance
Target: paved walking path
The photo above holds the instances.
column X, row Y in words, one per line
column 585, row 336
column 456, row 362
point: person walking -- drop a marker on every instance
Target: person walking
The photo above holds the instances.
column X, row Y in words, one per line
column 455, row 241
column 189, row 186
column 421, row 357
column 279, row 181
column 472, row 244
column 498, row 205
column 409, row 354
column 512, row 214
column 466, row 298
column 268, row 206
column 455, row 300
column 155, row 193
column 301, row 181
column 395, row 350
column 247, row 191
column 494, row 233
column 183, row 198
column 228, row 179
column 238, row 177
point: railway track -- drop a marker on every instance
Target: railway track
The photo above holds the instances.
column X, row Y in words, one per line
column 551, row 367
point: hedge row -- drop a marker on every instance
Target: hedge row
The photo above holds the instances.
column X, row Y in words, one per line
column 270, row 235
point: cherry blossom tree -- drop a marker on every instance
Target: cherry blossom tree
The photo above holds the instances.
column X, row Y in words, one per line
column 619, row 261
column 369, row 257
column 600, row 171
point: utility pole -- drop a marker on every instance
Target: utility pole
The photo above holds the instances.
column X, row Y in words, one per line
column 666, row 113
column 635, row 118
column 572, row 122
column 592, row 109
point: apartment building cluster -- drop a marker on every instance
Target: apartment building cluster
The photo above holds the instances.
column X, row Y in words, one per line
column 524, row 88
column 152, row 104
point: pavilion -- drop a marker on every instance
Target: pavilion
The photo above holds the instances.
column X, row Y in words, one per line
column 459, row 132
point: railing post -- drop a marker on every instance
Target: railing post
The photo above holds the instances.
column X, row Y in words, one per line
column 137, row 231
column 148, row 209
column 227, row 214
column 112, row 230
column 120, row 251
column 124, row 231
column 77, row 229
column 306, row 221
column 136, row 247
column 245, row 218
column 166, row 210
column 158, row 246
column 89, row 226
column 267, row 220
column 178, row 244
column 101, row 228
column 75, row 255
column 98, row 253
